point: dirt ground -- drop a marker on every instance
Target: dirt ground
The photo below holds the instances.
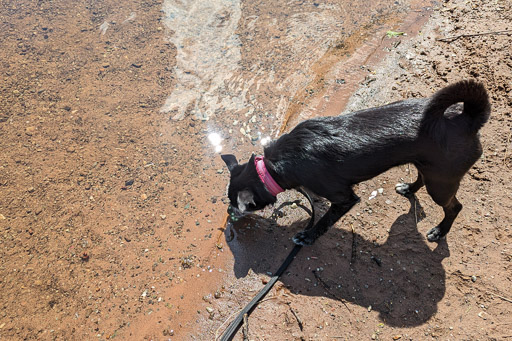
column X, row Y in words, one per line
column 112, row 215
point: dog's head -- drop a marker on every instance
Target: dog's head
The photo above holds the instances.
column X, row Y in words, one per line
column 246, row 192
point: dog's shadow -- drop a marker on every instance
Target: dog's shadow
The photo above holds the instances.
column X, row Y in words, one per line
column 402, row 279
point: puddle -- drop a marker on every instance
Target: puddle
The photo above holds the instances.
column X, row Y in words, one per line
column 208, row 53
column 252, row 60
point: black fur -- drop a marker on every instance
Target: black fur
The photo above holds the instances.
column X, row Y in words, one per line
column 328, row 155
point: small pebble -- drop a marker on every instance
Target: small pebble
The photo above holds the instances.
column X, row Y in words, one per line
column 482, row 315
column 30, row 130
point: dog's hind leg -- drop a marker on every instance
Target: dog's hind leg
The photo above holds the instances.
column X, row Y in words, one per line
column 444, row 195
column 338, row 208
column 407, row 189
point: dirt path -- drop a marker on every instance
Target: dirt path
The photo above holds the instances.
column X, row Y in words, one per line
column 112, row 212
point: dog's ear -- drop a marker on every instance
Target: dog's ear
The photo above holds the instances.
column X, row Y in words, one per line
column 245, row 198
column 230, row 161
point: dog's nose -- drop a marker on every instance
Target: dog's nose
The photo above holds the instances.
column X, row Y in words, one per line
column 234, row 213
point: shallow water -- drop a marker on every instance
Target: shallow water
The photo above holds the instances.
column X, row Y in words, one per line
column 247, row 61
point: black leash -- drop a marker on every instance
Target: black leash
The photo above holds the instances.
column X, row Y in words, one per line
column 233, row 327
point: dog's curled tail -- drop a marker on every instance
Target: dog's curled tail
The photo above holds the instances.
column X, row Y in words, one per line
column 477, row 107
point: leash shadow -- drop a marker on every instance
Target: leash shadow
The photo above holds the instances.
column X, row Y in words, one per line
column 401, row 278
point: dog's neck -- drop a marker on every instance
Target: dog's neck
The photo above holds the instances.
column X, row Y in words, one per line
column 266, row 177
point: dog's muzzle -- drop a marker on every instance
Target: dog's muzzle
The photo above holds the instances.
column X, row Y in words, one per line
column 234, row 213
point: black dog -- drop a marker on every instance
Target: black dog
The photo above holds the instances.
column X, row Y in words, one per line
column 328, row 155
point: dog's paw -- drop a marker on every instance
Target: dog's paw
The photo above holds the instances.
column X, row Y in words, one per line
column 302, row 238
column 403, row 189
column 434, row 235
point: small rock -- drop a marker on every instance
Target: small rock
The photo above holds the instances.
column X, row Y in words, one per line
column 380, row 190
column 168, row 332
column 143, row 196
column 30, row 130
column 397, row 337
column 483, row 315
column 2, row 217
column 473, row 278
column 373, row 195
column 294, row 206
column 163, row 216
column 31, row 189
column 137, row 65
column 209, row 310
column 129, row 182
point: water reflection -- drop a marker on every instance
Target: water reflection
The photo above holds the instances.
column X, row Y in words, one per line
column 216, row 140
column 242, row 59
column 208, row 51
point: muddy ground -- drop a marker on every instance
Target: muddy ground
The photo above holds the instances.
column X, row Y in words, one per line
column 112, row 214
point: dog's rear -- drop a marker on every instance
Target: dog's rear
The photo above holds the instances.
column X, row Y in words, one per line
column 454, row 132
column 474, row 114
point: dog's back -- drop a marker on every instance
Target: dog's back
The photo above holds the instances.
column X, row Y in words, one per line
column 363, row 144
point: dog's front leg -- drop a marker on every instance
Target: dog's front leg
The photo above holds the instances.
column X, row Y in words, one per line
column 337, row 210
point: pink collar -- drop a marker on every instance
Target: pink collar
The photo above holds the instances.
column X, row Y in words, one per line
column 265, row 177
